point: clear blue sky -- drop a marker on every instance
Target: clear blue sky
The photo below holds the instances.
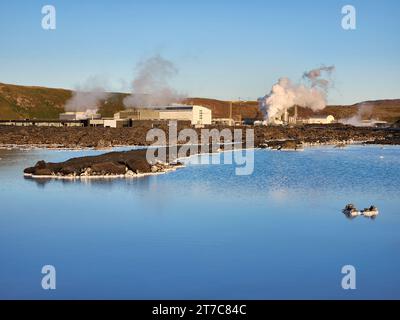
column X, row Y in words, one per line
column 223, row 49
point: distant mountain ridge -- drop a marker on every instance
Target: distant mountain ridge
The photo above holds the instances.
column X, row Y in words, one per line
column 20, row 102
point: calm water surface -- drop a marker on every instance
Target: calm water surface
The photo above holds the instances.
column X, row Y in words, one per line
column 204, row 233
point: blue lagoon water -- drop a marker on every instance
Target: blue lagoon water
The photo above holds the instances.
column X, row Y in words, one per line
column 203, row 232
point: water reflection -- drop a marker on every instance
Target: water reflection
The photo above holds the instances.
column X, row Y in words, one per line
column 41, row 183
column 202, row 231
column 144, row 182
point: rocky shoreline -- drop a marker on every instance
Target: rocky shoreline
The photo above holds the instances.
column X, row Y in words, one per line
column 103, row 138
column 134, row 163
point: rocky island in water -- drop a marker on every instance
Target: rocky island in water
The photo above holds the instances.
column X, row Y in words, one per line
column 113, row 164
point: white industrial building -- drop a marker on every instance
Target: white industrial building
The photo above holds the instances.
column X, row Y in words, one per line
column 96, row 122
column 79, row 115
column 321, row 119
column 197, row 115
column 116, row 123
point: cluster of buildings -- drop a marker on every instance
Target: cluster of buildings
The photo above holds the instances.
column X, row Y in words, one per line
column 285, row 119
column 196, row 115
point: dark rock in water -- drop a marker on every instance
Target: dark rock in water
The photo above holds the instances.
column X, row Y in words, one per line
column 108, row 168
column 138, row 165
column 68, row 170
column 40, row 164
column 30, row 170
column 43, row 172
column 112, row 163
column 285, row 145
column 291, row 145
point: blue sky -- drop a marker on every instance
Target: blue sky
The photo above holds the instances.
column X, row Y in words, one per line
column 223, row 49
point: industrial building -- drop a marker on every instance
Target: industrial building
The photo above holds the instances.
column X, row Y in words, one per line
column 287, row 120
column 138, row 114
column 96, row 122
column 194, row 114
column 279, row 119
column 116, row 123
column 197, row 115
column 320, row 120
column 79, row 115
column 375, row 123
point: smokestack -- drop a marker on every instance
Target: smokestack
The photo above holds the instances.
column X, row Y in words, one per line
column 295, row 114
column 285, row 117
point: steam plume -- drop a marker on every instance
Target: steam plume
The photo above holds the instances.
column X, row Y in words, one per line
column 285, row 94
column 87, row 96
column 364, row 111
column 151, row 86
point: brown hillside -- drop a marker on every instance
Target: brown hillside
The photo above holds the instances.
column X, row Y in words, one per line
column 386, row 110
column 19, row 102
column 221, row 109
column 31, row 102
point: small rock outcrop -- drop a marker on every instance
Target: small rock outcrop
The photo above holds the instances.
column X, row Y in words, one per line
column 284, row 145
column 125, row 163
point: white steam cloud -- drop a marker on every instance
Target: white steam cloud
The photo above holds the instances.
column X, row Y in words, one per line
column 285, row 94
column 364, row 112
column 151, row 85
column 87, row 96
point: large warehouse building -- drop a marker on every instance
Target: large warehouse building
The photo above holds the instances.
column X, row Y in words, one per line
column 321, row 119
column 197, row 115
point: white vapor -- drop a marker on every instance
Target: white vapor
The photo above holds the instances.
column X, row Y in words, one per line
column 285, row 94
column 364, row 111
column 87, row 96
column 151, row 85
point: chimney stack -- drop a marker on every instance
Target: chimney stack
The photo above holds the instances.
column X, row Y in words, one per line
column 286, row 116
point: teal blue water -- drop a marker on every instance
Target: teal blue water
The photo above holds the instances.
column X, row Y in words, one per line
column 203, row 232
